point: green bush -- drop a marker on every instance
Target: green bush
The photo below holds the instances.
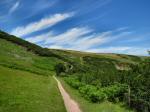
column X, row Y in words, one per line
column 92, row 93
column 74, row 82
column 96, row 94
column 114, row 91
column 59, row 68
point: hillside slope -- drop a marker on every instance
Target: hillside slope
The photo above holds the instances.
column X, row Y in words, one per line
column 25, row 52
column 14, row 56
column 111, row 77
column 25, row 80
column 97, row 76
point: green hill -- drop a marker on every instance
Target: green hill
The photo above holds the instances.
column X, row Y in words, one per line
column 18, row 57
column 96, row 77
column 26, row 84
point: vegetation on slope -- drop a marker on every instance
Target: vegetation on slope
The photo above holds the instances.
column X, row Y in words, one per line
column 29, row 46
column 105, row 78
column 23, row 91
column 98, row 77
column 14, row 56
column 88, row 106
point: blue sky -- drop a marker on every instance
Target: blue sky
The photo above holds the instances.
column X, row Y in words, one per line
column 102, row 26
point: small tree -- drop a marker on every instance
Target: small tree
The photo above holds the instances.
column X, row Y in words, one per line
column 59, row 68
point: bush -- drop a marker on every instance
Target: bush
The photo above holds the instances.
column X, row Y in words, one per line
column 114, row 91
column 92, row 93
column 74, row 82
column 59, row 68
column 96, row 94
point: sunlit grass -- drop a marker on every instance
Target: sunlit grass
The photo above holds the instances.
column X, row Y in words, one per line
column 26, row 92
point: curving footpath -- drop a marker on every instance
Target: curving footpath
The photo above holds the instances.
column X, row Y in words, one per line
column 70, row 104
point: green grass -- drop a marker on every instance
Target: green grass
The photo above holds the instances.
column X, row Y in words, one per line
column 87, row 106
column 22, row 91
column 14, row 56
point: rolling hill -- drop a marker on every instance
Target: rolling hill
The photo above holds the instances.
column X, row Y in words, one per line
column 26, row 82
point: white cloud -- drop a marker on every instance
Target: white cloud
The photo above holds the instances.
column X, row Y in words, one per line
column 90, row 41
column 55, row 47
column 94, row 40
column 121, row 50
column 39, row 38
column 66, row 37
column 69, row 36
column 109, row 49
column 40, row 25
column 14, row 7
column 79, row 38
column 83, row 39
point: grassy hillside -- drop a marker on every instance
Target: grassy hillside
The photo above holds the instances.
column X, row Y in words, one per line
column 26, row 92
column 98, row 78
column 14, row 56
column 77, row 55
column 26, row 84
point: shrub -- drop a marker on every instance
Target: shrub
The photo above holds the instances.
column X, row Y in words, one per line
column 91, row 92
column 59, row 68
column 74, row 82
column 96, row 94
column 114, row 91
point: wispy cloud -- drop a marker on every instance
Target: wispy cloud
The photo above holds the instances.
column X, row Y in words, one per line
column 111, row 49
column 40, row 25
column 39, row 38
column 92, row 5
column 38, row 8
column 78, row 38
column 7, row 7
column 83, row 39
column 14, row 7
column 121, row 49
column 69, row 36
column 90, row 41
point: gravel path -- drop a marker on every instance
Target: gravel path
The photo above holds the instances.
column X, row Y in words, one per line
column 70, row 104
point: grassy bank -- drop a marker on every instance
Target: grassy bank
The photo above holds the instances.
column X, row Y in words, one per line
column 17, row 57
column 26, row 92
column 87, row 106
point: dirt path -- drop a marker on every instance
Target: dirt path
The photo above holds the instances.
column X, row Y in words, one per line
column 70, row 104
